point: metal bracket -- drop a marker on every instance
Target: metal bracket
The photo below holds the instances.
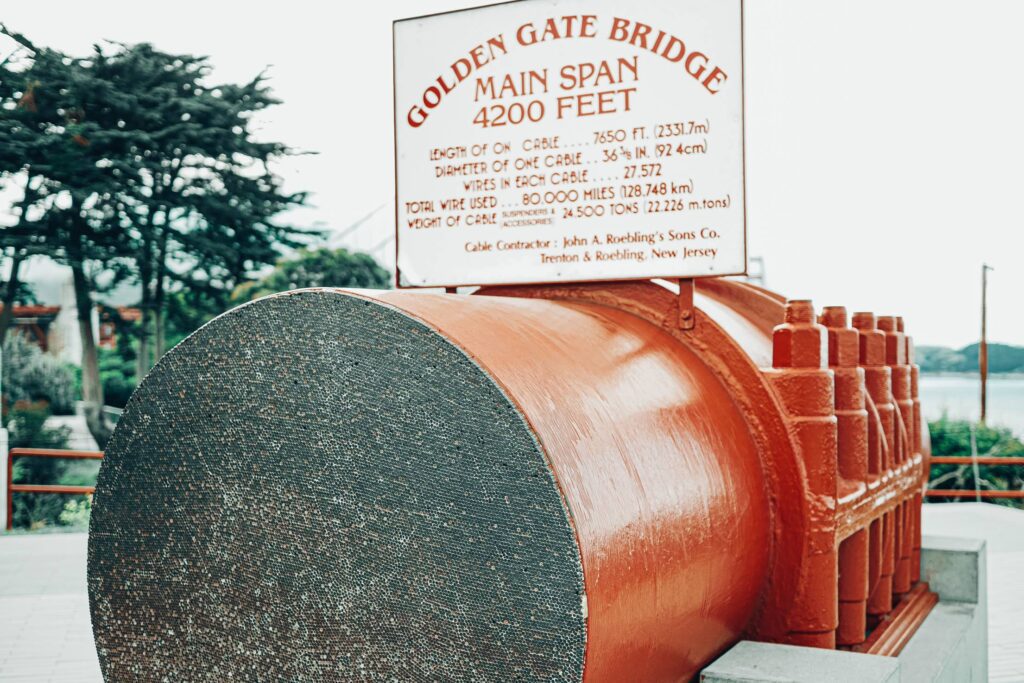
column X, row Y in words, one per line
column 687, row 316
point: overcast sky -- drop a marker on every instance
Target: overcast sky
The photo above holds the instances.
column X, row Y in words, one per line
column 884, row 137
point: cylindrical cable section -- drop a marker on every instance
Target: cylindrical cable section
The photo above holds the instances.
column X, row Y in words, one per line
column 390, row 485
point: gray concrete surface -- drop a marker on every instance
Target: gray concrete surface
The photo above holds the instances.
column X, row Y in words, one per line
column 79, row 436
column 45, row 633
column 750, row 662
column 949, row 647
column 952, row 644
column 1003, row 531
column 44, row 611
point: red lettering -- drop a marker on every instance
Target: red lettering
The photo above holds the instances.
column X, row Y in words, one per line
column 716, row 77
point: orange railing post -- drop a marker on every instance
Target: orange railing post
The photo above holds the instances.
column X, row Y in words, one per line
column 981, row 460
column 971, row 493
column 13, row 488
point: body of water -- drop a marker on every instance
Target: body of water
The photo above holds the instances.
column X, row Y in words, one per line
column 958, row 397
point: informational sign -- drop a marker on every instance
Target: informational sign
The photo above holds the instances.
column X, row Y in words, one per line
column 570, row 140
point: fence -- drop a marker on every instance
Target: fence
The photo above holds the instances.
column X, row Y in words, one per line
column 977, row 494
column 13, row 488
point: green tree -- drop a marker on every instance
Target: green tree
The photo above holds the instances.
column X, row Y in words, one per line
column 200, row 206
column 21, row 240
column 47, row 137
column 18, row 249
column 319, row 268
column 135, row 169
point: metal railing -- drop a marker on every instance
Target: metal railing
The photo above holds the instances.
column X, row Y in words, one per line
column 98, row 455
column 13, row 488
column 975, row 460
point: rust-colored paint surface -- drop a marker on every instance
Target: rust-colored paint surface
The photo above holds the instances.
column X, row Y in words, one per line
column 733, row 337
column 758, row 474
column 832, row 404
column 656, row 463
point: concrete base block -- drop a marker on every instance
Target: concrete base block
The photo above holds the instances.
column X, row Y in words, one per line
column 951, row 645
column 954, row 568
column 750, row 662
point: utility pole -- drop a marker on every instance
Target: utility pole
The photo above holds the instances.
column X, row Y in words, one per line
column 983, row 347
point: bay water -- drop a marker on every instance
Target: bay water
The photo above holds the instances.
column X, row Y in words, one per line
column 958, row 397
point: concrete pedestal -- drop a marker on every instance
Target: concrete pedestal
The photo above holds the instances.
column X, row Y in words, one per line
column 951, row 645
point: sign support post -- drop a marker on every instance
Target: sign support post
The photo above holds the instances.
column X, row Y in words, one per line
column 687, row 316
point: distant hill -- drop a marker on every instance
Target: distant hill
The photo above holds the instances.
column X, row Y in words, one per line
column 1001, row 358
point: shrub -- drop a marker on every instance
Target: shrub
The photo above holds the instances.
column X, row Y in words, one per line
column 31, row 375
column 118, row 376
column 953, row 437
column 117, row 390
column 27, row 425
column 76, row 513
column 28, row 429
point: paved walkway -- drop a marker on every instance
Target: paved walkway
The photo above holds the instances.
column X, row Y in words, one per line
column 79, row 436
column 1003, row 530
column 45, row 633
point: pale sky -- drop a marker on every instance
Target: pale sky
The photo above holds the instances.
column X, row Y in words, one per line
column 884, row 137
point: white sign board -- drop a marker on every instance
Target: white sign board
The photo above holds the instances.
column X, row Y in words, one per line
column 570, row 140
